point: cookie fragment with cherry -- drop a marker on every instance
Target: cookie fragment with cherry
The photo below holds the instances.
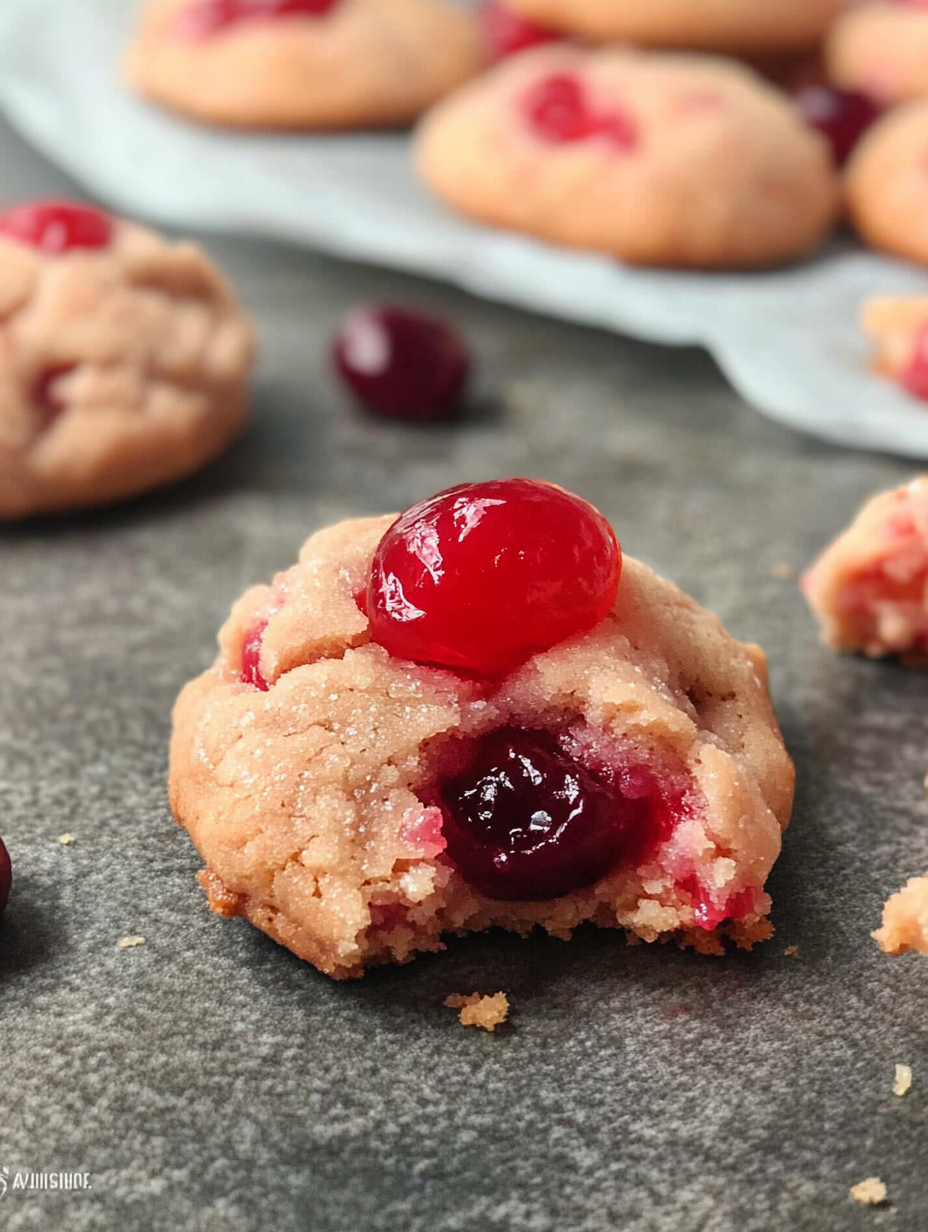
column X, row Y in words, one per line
column 480, row 713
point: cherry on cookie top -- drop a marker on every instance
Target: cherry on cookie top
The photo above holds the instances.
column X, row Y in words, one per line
column 481, row 577
column 506, row 32
column 202, row 19
column 558, row 109
column 57, row 227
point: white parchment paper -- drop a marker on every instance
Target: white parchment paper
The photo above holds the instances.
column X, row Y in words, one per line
column 788, row 339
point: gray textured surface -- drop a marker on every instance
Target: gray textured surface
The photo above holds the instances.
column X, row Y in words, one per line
column 208, row 1080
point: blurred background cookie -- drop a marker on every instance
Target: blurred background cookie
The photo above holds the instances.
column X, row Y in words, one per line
column 303, row 64
column 125, row 358
column 882, row 49
column 887, row 183
column 655, row 158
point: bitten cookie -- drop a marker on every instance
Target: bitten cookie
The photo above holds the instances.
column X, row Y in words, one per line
column 125, row 359
column 887, row 183
column 705, row 25
column 869, row 589
column 476, row 715
column 881, row 49
column 303, row 64
column 654, row 158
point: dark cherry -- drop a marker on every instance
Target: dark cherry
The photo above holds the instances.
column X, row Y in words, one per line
column 251, row 657
column 506, row 32
column 841, row 116
column 481, row 577
column 45, row 395
column 400, row 363
column 6, row 876
column 55, row 227
column 527, row 822
column 204, row 18
column 914, row 376
column 558, row 110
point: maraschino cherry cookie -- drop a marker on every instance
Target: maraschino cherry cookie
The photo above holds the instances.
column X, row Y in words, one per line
column 125, row 359
column 303, row 64
column 478, row 715
column 704, row 25
column 882, row 49
column 887, row 182
column 869, row 589
column 654, row 158
column 898, row 325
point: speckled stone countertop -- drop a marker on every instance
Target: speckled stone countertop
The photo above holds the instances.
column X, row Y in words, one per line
column 207, row 1080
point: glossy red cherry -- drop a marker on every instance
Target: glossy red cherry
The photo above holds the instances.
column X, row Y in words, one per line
column 841, row 116
column 204, row 18
column 481, row 577
column 558, row 110
column 527, row 822
column 6, row 876
column 506, row 32
column 914, row 376
column 251, row 657
column 55, row 227
column 400, row 363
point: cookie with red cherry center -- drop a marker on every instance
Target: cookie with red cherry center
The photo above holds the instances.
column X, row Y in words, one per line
column 704, row 25
column 868, row 588
column 887, row 182
column 654, row 158
column 479, row 714
column 125, row 359
column 303, row 64
column 881, row 49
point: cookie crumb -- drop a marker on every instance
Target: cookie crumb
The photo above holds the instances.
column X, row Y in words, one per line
column 871, row 1192
column 66, row 839
column 791, row 951
column 903, row 1080
column 783, row 570
column 478, row 1011
column 129, row 943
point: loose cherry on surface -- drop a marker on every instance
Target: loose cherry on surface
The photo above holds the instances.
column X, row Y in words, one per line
column 914, row 376
column 558, row 110
column 506, row 32
column 203, row 18
column 481, row 577
column 841, row 116
column 400, row 363
column 6, row 876
column 56, row 227
column 526, row 822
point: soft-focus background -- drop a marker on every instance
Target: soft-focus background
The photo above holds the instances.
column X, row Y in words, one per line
column 208, row 1080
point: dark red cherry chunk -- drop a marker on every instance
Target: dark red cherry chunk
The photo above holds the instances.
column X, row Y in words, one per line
column 841, row 116
column 527, row 822
column 46, row 395
column 6, row 876
column 204, row 18
column 251, row 657
column 481, row 577
column 400, row 363
column 914, row 376
column 558, row 110
column 506, row 32
column 55, row 227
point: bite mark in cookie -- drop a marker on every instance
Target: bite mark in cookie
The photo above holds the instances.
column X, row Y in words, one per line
column 628, row 771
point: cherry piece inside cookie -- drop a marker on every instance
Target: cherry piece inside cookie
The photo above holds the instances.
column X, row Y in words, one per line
column 526, row 821
column 507, row 32
column 841, row 116
column 251, row 657
column 559, row 111
column 205, row 18
column 6, row 876
column 481, row 577
column 400, row 363
column 57, row 227
column 47, row 394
